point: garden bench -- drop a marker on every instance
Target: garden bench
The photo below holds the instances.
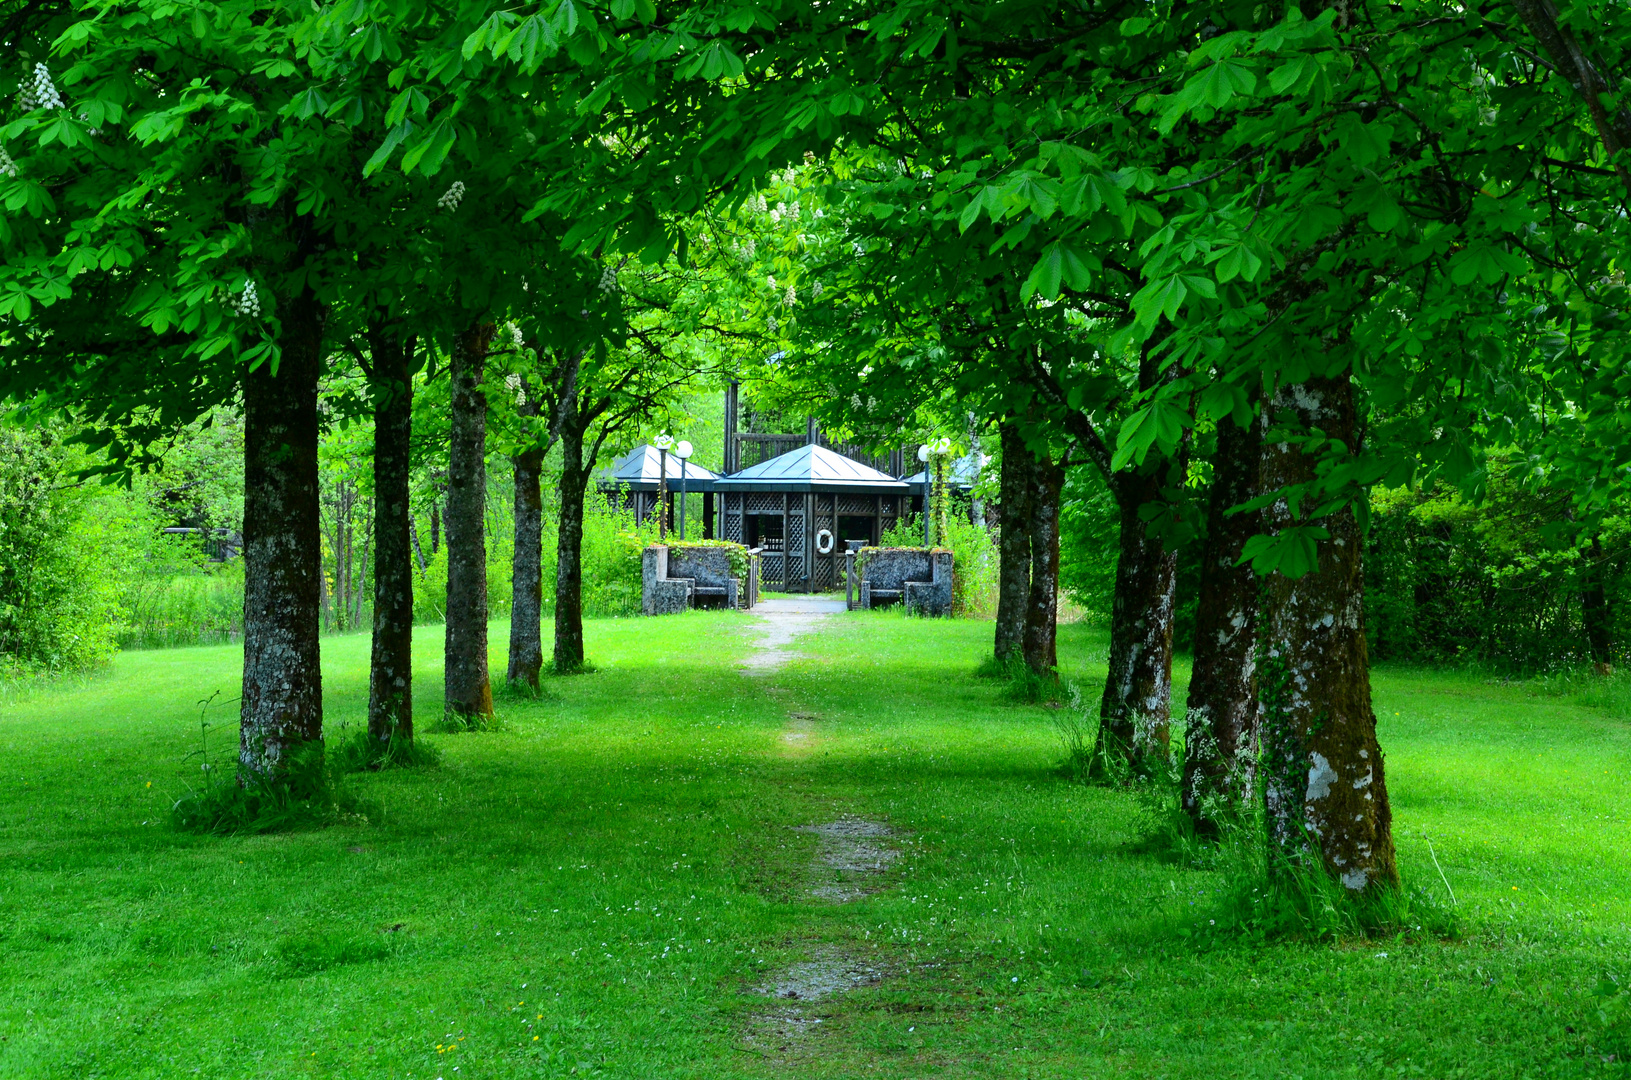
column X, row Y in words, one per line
column 918, row 577
column 677, row 577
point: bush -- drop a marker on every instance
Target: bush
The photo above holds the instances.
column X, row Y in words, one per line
column 58, row 604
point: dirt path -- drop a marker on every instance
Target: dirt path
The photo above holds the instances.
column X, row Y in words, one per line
column 851, row 860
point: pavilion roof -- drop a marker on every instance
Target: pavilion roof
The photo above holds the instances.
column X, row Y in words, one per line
column 812, row 468
column 962, row 474
column 638, row 470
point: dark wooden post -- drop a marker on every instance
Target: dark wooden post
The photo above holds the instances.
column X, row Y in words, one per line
column 732, row 397
column 707, row 515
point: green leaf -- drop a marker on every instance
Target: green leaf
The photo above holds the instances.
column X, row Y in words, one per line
column 1293, row 552
column 1134, row 27
column 1485, row 262
column 1236, row 260
column 1297, row 71
column 1363, row 142
column 971, row 212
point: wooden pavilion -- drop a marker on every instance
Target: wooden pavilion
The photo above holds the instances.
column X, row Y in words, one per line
column 802, row 508
column 633, row 481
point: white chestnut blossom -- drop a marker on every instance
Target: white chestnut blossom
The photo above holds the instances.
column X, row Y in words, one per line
column 512, row 383
column 38, row 91
column 451, row 197
column 791, row 298
column 247, row 302
column 815, row 291
column 608, row 280
column 8, row 167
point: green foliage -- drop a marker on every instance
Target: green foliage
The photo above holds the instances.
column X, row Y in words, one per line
column 612, row 548
column 200, row 607
column 1496, row 583
column 58, row 602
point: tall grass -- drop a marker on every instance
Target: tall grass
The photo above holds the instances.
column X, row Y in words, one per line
column 196, row 607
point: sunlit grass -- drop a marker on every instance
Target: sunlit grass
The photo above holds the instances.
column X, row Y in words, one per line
column 603, row 881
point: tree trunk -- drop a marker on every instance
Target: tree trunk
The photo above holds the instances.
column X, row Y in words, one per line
column 1595, row 613
column 390, row 677
column 527, row 598
column 1042, row 604
column 1136, row 709
column 468, row 692
column 1220, row 747
column 1014, row 545
column 1324, row 785
column 569, row 555
column 282, row 704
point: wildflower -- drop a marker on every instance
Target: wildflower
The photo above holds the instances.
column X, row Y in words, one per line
column 608, row 280
column 451, row 197
column 247, row 302
column 41, row 93
column 8, row 167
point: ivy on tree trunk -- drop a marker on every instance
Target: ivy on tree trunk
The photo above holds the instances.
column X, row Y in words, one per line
column 390, row 680
column 468, row 692
column 1324, row 785
column 282, row 704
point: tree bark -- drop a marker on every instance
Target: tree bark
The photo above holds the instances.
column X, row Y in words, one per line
column 569, row 554
column 390, row 679
column 527, row 596
column 1324, row 785
column 1014, row 545
column 468, row 693
column 282, row 704
column 1135, row 711
column 1594, row 608
column 1042, row 604
column 1220, row 747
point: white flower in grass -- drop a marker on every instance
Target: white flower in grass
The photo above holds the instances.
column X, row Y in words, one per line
column 247, row 302
column 452, row 196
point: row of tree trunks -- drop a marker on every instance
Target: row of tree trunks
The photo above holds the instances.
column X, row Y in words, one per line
column 468, row 691
column 1220, row 746
column 390, row 679
column 282, row 703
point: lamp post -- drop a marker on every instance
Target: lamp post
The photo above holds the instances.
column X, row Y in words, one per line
column 663, row 441
column 928, row 535
column 682, row 451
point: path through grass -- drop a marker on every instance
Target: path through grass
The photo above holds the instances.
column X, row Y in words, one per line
column 602, row 885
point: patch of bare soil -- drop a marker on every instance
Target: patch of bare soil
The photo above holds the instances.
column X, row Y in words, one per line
column 853, row 855
column 776, row 631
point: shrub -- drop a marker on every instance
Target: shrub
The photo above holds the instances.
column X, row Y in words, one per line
column 974, row 569
column 58, row 605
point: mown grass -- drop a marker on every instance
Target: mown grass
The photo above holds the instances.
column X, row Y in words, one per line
column 600, row 884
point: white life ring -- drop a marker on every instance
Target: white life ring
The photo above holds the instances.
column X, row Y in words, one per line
column 824, row 542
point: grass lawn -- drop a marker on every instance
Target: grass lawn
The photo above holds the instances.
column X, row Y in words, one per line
column 601, row 885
